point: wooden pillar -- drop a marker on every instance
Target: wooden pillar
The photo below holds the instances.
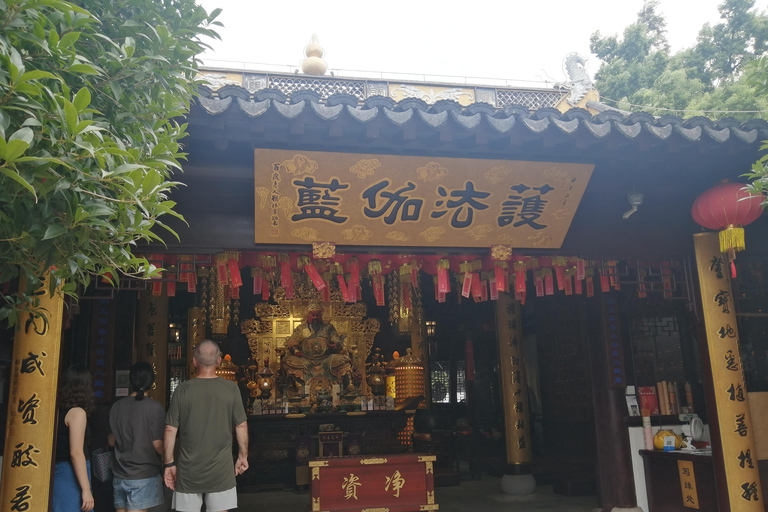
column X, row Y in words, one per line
column 614, row 468
column 32, row 410
column 152, row 340
column 733, row 442
column 514, row 387
column 195, row 334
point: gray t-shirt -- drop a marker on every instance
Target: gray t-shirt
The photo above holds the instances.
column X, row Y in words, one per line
column 206, row 412
column 135, row 425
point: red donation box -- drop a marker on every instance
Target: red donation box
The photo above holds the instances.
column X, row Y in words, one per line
column 393, row 483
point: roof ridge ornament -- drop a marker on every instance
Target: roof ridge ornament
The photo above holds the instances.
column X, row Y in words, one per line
column 579, row 81
column 314, row 64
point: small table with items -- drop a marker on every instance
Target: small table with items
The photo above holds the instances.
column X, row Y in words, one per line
column 680, row 480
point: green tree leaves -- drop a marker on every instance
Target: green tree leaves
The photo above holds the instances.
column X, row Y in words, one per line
column 639, row 72
column 89, row 96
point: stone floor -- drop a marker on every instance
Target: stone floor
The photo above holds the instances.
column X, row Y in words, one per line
column 471, row 496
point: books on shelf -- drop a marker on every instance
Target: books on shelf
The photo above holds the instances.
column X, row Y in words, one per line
column 666, row 398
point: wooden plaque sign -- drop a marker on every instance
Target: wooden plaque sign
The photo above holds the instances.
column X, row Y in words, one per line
column 303, row 197
column 373, row 483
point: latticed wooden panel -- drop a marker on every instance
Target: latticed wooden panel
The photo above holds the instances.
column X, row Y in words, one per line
column 324, row 88
column 533, row 100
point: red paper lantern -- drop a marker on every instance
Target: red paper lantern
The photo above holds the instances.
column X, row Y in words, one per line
column 727, row 207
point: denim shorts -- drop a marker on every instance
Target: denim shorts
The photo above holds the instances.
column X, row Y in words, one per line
column 138, row 494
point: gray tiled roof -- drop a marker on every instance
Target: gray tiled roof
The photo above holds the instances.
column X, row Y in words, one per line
column 470, row 118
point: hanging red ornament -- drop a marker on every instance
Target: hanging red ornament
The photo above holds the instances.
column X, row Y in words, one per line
column 727, row 207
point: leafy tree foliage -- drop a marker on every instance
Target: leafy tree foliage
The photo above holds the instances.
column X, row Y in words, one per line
column 88, row 143
column 757, row 76
column 638, row 71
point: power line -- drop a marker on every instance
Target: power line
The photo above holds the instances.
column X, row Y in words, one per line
column 701, row 111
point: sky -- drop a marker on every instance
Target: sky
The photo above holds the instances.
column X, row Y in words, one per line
column 520, row 42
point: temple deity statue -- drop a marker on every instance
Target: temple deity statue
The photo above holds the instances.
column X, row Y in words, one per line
column 315, row 353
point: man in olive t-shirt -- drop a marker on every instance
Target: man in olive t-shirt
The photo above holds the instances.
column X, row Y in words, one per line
column 204, row 411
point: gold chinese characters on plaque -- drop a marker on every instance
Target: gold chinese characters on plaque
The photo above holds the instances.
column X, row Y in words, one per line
column 358, row 199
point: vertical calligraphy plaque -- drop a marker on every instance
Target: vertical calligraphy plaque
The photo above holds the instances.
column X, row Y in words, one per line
column 32, row 410
column 736, row 436
column 613, row 343
column 688, row 484
column 514, row 387
column 152, row 340
column 102, row 348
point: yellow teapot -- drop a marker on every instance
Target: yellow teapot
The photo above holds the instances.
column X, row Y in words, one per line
column 658, row 439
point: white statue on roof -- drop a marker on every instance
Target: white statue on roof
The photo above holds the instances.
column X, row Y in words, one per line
column 579, row 81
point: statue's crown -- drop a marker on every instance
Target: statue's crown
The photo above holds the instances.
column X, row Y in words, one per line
column 314, row 306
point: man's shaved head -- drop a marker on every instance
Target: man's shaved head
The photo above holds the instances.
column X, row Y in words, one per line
column 207, row 353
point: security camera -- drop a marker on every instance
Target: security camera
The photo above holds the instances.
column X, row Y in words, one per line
column 635, row 199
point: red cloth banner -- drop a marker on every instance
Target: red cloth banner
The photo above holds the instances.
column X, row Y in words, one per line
column 494, row 289
column 257, row 278
column 520, row 281
column 580, row 269
column 567, row 284
column 286, row 279
column 538, row 281
column 170, row 288
column 466, row 285
column 500, row 279
column 354, row 272
column 157, row 287
column 343, row 287
column 221, row 269
column 549, row 282
column 265, row 289
column 378, row 288
column 314, row 276
column 577, row 286
column 605, row 284
column 188, row 276
column 560, row 273
column 442, row 280
column 234, row 274
column 476, row 292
